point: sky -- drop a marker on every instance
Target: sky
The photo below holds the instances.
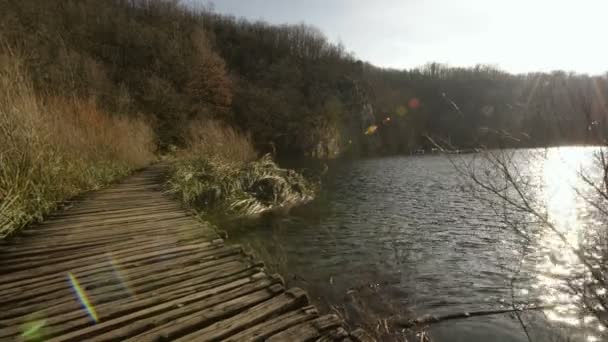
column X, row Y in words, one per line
column 515, row 35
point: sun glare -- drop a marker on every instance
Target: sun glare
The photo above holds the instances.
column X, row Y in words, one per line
column 561, row 183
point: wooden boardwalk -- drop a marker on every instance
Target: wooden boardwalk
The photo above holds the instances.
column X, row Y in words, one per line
column 129, row 263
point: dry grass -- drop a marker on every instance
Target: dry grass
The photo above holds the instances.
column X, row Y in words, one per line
column 249, row 189
column 213, row 140
column 54, row 148
column 220, row 170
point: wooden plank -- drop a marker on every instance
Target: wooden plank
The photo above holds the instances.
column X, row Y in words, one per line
column 154, row 248
column 148, row 210
column 293, row 298
column 266, row 329
column 307, row 331
column 205, row 253
column 360, row 335
column 103, row 327
column 337, row 334
column 87, row 205
column 111, row 313
column 115, row 306
column 19, row 279
column 137, row 230
column 87, row 225
column 27, row 262
column 153, row 276
column 88, row 248
column 140, row 232
column 192, row 322
column 76, row 213
column 65, row 303
column 176, row 279
column 86, row 234
column 149, row 326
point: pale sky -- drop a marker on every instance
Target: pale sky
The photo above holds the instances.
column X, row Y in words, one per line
column 515, row 35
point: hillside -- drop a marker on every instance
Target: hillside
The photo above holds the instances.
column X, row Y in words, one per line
column 296, row 93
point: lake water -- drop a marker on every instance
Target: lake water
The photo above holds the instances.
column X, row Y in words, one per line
column 402, row 237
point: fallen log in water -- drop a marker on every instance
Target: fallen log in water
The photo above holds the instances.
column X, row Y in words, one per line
column 431, row 319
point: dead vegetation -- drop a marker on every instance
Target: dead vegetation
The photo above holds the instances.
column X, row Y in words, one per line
column 52, row 148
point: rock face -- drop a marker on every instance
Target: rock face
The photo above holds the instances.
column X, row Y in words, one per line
column 362, row 118
column 348, row 136
column 329, row 144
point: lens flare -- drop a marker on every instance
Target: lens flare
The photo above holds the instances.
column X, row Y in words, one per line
column 371, row 130
column 413, row 103
column 120, row 276
column 401, row 111
column 32, row 331
column 82, row 296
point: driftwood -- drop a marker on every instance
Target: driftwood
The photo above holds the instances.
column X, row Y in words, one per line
column 431, row 319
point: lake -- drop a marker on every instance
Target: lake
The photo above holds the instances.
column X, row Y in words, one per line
column 403, row 236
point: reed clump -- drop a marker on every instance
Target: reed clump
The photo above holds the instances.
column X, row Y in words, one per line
column 220, row 171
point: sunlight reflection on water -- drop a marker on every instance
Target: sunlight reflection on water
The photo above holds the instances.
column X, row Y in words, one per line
column 559, row 268
column 403, row 236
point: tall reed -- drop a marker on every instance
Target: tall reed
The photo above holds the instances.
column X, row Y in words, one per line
column 214, row 140
column 53, row 148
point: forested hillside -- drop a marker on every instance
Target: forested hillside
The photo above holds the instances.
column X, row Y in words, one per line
column 295, row 92
column 483, row 106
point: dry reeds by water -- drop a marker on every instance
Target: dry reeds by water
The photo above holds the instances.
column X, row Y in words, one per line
column 215, row 140
column 54, row 148
column 220, row 170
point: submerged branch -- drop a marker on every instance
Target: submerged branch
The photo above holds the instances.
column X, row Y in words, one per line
column 430, row 319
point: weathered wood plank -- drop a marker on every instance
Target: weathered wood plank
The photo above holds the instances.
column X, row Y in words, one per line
column 87, row 225
column 266, row 329
column 136, row 300
column 75, row 213
column 103, row 327
column 115, row 314
column 192, row 322
column 291, row 299
column 64, row 304
column 307, row 331
column 150, row 325
column 22, row 262
column 37, row 235
column 152, row 274
column 106, row 268
column 114, row 214
column 337, row 334
column 180, row 236
column 360, row 335
column 166, row 237
column 149, row 270
column 14, row 280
